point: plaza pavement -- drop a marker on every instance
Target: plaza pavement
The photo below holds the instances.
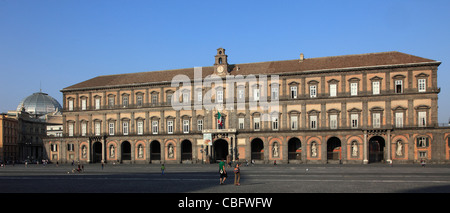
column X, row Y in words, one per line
column 197, row 178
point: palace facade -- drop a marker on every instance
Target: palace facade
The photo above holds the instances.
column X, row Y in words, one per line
column 366, row 108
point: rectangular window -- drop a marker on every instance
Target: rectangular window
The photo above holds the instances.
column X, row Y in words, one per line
column 376, row 88
column 154, row 127
column 169, row 127
column 312, row 91
column 70, row 104
column 353, row 89
column 199, row 96
column 125, row 101
column 294, row 122
column 241, row 123
column 200, row 125
column 333, row 121
column 155, row 99
column 83, row 129
column 97, row 103
column 70, row 129
column 97, row 128
column 354, row 120
column 256, row 122
column 422, row 85
column 185, row 97
column 274, row 95
column 111, row 101
column 70, row 147
column 422, row 119
column 398, row 86
column 256, row 94
column 274, row 123
column 169, row 98
column 333, row 90
column 140, row 99
column 422, row 154
column 293, row 91
column 111, row 128
column 313, row 122
column 399, row 119
column 241, row 93
column 422, row 142
column 376, row 122
column 185, row 126
column 140, row 127
column 219, row 96
column 125, row 128
column 83, row 104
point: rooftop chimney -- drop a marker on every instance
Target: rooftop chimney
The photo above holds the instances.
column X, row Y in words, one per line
column 302, row 57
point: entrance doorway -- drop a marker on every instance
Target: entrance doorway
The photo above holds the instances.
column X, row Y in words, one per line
column 220, row 148
column 376, row 149
column 155, row 150
column 126, row 150
column 334, row 149
column 257, row 149
column 97, row 152
column 186, row 150
column 294, row 149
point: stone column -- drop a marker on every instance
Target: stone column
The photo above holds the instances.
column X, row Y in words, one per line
column 388, row 135
column 103, row 141
column 365, row 147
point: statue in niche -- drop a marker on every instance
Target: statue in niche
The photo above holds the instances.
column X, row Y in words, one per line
column 354, row 149
column 314, row 149
column 275, row 150
column 140, row 152
column 399, row 151
column 112, row 151
column 170, row 151
column 84, row 152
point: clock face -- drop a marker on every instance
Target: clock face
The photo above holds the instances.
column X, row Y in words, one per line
column 220, row 69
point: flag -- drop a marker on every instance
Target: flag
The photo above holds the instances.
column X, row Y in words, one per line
column 219, row 119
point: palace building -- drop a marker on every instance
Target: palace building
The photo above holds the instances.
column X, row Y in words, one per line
column 355, row 109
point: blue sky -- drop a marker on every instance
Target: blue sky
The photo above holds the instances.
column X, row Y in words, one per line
column 60, row 43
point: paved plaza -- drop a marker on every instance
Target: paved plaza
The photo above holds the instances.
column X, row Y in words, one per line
column 304, row 178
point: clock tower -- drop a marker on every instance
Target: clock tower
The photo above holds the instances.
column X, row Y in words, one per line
column 221, row 64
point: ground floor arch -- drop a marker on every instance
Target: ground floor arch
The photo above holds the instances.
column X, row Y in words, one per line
column 186, row 150
column 220, row 150
column 294, row 149
column 334, row 149
column 376, row 149
column 155, row 150
column 257, row 149
column 125, row 150
column 97, row 152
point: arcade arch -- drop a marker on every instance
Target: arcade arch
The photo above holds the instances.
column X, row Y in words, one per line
column 186, row 150
column 220, row 148
column 294, row 149
column 257, row 149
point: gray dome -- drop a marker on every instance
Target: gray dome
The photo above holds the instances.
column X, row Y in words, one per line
column 39, row 103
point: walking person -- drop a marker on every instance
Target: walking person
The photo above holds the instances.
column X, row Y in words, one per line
column 222, row 172
column 162, row 169
column 237, row 175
